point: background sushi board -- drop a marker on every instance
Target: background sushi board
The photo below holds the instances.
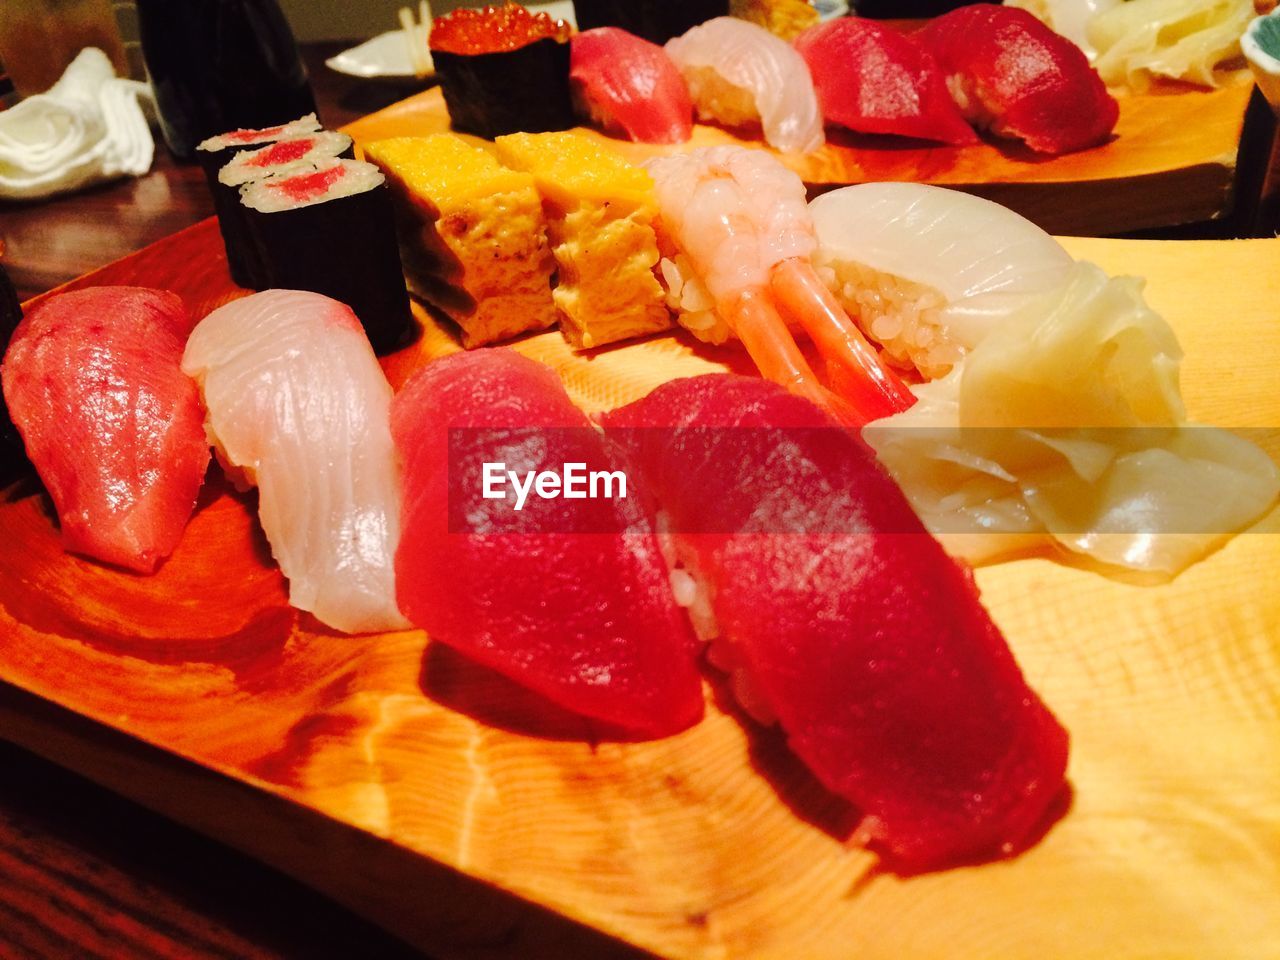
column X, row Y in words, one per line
column 1172, row 160
column 459, row 812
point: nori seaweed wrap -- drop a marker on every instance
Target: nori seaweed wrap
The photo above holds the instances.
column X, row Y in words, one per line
column 213, row 153
column 503, row 70
column 655, row 20
column 330, row 229
column 246, row 166
column 13, row 455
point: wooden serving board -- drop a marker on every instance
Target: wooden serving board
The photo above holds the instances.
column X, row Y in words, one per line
column 1172, row 160
column 469, row 818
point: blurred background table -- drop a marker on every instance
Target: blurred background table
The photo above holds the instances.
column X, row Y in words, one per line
column 83, row 873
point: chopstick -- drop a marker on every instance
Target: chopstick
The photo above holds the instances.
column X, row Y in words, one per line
column 417, row 33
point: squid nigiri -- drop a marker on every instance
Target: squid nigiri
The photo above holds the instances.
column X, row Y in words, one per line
column 874, row 79
column 741, row 74
column 114, row 428
column 622, row 81
column 845, row 620
column 745, row 237
column 1013, row 75
column 927, row 271
column 299, row 406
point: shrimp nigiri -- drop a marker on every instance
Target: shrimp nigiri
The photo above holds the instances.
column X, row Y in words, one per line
column 741, row 74
column 745, row 237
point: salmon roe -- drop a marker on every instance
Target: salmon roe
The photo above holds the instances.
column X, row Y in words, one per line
column 494, row 29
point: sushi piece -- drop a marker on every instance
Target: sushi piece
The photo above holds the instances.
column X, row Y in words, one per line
column 258, row 163
column 299, row 407
column 655, row 20
column 925, row 271
column 740, row 75
column 845, row 621
column 213, row 153
column 246, row 166
column 623, row 82
column 745, row 237
column 601, row 219
column 113, row 426
column 874, row 79
column 503, row 69
column 1012, row 75
column 328, row 227
column 1071, row 18
column 568, row 597
column 13, row 457
column 473, row 237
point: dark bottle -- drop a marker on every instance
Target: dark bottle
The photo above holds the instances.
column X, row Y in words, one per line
column 219, row 65
column 655, row 20
column 906, row 9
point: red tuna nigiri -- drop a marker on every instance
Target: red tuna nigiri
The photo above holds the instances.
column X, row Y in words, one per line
column 1012, row 74
column 874, row 79
column 856, row 631
column 114, row 427
column 626, row 83
column 568, row 597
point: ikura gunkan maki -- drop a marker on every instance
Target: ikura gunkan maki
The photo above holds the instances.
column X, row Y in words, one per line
column 213, row 154
column 503, row 70
column 328, row 227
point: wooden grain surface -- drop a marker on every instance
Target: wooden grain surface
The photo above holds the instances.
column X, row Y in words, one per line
column 453, row 798
column 1172, row 160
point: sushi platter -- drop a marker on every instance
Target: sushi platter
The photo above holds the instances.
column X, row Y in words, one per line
column 463, row 814
column 1172, row 160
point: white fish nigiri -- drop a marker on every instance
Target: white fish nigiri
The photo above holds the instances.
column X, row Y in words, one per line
column 297, row 402
column 927, row 271
column 739, row 73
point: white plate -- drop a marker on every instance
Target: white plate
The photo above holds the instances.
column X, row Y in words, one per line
column 386, row 56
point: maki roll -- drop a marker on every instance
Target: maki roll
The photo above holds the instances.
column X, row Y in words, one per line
column 327, row 227
column 655, row 20
column 246, row 166
column 213, row 153
column 503, row 70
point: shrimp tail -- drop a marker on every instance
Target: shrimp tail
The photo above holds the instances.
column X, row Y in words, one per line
column 854, row 368
column 771, row 346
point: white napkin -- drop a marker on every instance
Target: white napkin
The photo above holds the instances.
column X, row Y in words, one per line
column 88, row 127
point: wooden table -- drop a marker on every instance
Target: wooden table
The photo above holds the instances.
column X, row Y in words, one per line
column 84, row 873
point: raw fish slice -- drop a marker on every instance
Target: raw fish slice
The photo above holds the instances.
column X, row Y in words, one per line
column 1013, row 75
column 624, row 82
column 298, row 403
column 929, row 271
column 113, row 426
column 555, row 596
column 874, row 79
column 739, row 73
column 856, row 631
